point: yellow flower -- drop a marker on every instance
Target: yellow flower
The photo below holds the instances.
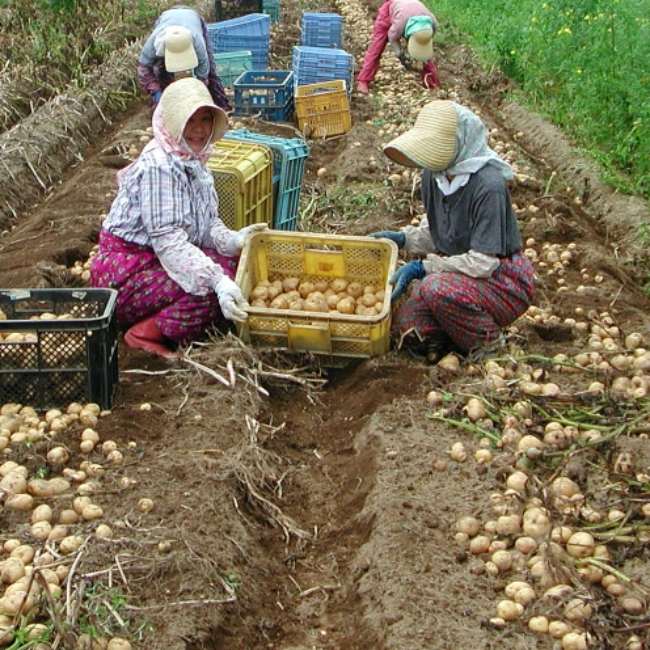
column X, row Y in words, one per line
column 564, row 30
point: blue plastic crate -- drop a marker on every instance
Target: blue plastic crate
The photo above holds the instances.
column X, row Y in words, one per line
column 272, row 8
column 230, row 65
column 251, row 32
column 289, row 157
column 321, row 29
column 316, row 64
column 269, row 92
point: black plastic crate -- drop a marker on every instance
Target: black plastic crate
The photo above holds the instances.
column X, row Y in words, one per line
column 59, row 360
column 226, row 9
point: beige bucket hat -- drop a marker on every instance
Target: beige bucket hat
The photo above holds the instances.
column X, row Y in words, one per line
column 431, row 143
column 420, row 45
column 179, row 50
column 181, row 99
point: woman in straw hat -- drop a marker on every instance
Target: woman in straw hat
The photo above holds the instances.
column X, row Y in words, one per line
column 162, row 245
column 398, row 19
column 179, row 47
column 471, row 279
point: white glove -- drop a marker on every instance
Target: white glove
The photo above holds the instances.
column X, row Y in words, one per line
column 231, row 300
column 246, row 232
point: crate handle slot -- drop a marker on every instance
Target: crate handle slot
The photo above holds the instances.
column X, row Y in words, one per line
column 309, row 337
column 324, row 262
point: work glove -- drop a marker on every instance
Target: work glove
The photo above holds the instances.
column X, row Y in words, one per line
column 231, row 300
column 404, row 276
column 394, row 235
column 155, row 97
column 243, row 234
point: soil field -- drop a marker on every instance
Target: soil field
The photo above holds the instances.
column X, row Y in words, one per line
column 304, row 508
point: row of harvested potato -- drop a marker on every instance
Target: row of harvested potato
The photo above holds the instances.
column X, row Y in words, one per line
column 333, row 296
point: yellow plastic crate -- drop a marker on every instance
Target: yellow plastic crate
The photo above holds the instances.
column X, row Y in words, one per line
column 275, row 255
column 243, row 177
column 323, row 109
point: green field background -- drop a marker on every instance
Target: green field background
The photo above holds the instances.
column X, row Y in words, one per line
column 583, row 63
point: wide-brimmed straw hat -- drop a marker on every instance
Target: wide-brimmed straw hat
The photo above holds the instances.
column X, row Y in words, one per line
column 420, row 45
column 179, row 50
column 181, row 99
column 431, row 143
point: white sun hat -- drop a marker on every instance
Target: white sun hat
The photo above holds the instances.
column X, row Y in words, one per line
column 420, row 45
column 432, row 142
column 181, row 99
column 179, row 50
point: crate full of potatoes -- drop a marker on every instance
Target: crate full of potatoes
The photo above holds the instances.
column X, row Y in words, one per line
column 325, row 294
column 58, row 346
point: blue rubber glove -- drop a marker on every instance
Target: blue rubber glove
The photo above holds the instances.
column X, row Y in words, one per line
column 394, row 235
column 404, row 276
column 156, row 97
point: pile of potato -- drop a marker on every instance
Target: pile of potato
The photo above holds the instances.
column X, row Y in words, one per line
column 337, row 296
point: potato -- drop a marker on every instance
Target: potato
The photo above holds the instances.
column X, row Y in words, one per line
column 332, row 300
column 280, row 302
column 260, row 293
column 370, row 288
column 321, row 285
column 354, row 289
column 274, row 292
column 39, row 487
column 42, row 513
column 263, row 283
column 24, row 552
column 339, row 285
column 277, row 284
column 12, row 570
column 346, row 306
column 368, row 300
column 70, row 544
column 58, row 485
column 90, row 434
column 315, row 304
column 79, row 504
column 68, row 517
column 380, row 295
column 41, row 530
column 92, row 511
column 305, row 288
column 298, row 304
column 19, row 502
column 290, row 284
column 258, row 302
column 58, row 533
column 292, row 295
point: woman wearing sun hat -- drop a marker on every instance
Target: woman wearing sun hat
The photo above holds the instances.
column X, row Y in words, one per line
column 470, row 280
column 163, row 245
column 179, row 47
column 398, row 19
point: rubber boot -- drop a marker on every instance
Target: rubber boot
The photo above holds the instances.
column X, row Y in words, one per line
column 146, row 335
column 362, row 87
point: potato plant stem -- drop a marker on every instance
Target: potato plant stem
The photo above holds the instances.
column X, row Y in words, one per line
column 467, row 426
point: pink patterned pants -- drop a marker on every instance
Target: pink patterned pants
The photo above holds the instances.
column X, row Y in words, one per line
column 471, row 311
column 377, row 45
column 145, row 289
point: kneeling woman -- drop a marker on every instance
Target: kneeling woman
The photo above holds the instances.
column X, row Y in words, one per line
column 472, row 280
column 163, row 246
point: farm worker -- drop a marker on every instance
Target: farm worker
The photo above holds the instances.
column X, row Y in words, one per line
column 179, row 47
column 163, row 245
column 411, row 20
column 471, row 279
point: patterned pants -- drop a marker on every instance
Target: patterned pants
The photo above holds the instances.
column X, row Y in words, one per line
column 145, row 289
column 471, row 311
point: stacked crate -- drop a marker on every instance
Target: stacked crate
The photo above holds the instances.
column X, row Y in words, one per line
column 225, row 9
column 251, row 32
column 230, row 65
column 265, row 92
column 243, row 178
column 289, row 157
column 315, row 64
column 321, row 30
column 272, row 8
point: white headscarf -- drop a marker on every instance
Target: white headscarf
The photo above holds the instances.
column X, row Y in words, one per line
column 473, row 153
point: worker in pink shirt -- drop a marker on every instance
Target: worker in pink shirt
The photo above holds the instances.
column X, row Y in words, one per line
column 397, row 19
